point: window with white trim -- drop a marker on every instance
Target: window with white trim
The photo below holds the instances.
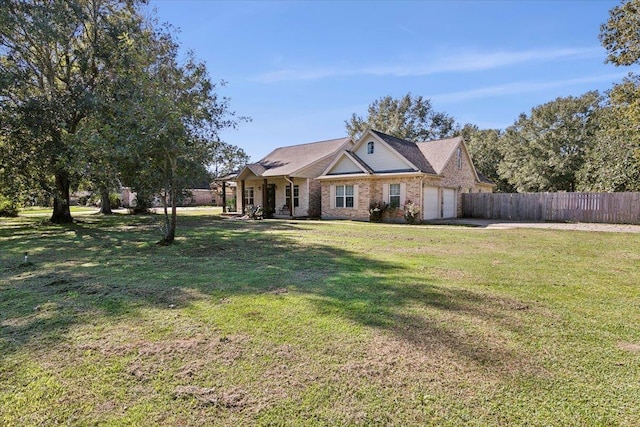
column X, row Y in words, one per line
column 344, row 196
column 394, row 195
column 296, row 196
column 248, row 196
column 459, row 157
column 370, row 147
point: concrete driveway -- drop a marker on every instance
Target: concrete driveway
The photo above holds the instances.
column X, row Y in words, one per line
column 580, row 226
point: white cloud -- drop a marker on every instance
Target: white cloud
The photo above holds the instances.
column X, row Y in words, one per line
column 521, row 87
column 461, row 62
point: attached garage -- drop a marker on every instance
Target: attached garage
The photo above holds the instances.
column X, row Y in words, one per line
column 431, row 202
column 449, row 208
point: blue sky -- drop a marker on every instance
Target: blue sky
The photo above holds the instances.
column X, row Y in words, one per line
column 300, row 69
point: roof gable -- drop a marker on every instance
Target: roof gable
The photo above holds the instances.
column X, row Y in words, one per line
column 439, row 151
column 408, row 150
column 347, row 163
column 288, row 161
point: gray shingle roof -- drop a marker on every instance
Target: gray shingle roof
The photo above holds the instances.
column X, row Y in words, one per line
column 289, row 160
column 439, row 151
column 484, row 179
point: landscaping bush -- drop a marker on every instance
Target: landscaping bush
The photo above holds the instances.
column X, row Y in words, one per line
column 231, row 205
column 376, row 210
column 141, row 205
column 115, row 201
column 7, row 207
column 411, row 212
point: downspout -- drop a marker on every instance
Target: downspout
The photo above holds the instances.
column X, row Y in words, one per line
column 421, row 206
column 290, row 192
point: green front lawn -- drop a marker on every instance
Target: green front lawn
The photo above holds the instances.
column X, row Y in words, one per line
column 316, row 323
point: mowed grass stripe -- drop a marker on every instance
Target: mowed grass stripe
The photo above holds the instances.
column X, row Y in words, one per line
column 316, row 323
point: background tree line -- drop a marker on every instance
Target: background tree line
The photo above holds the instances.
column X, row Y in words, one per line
column 585, row 143
column 94, row 95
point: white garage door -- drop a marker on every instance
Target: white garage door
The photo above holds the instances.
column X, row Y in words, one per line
column 431, row 206
column 449, row 203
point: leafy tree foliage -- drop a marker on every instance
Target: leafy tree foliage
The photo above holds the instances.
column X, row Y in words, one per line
column 613, row 162
column 544, row 151
column 171, row 125
column 410, row 118
column 54, row 55
column 226, row 158
column 620, row 35
column 484, row 148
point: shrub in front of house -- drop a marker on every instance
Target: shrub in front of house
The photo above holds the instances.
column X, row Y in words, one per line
column 411, row 212
column 231, row 205
column 376, row 210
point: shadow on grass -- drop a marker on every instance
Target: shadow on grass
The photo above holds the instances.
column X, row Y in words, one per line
column 109, row 266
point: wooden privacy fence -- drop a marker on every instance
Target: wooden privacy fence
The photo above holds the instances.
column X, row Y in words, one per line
column 612, row 208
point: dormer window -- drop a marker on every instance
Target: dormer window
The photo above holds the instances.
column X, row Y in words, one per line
column 370, row 147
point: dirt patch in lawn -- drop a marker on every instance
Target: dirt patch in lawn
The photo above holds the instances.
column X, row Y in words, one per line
column 633, row 348
column 234, row 398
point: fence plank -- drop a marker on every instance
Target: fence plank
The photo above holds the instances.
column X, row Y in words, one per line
column 613, row 208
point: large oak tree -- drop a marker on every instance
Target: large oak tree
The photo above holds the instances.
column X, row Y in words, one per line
column 54, row 56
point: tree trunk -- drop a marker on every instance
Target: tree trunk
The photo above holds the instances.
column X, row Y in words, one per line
column 170, row 233
column 61, row 212
column 105, row 203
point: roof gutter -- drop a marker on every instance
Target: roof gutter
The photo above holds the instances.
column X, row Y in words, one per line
column 378, row 175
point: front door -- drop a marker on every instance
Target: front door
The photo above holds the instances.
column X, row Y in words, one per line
column 270, row 205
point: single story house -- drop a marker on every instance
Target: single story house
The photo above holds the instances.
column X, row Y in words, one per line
column 380, row 168
column 285, row 182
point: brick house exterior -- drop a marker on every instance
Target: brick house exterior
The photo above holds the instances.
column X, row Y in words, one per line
column 285, row 181
column 380, row 168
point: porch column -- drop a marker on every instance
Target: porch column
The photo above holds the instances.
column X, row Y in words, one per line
column 243, row 201
column 291, row 208
column 224, row 196
column 264, row 194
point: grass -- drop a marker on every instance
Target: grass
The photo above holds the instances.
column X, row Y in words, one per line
column 316, row 323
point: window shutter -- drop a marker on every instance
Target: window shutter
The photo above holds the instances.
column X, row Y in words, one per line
column 355, row 196
column 385, row 193
column 403, row 194
column 332, row 197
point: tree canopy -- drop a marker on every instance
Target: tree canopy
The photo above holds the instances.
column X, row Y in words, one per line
column 91, row 90
column 620, row 35
column 613, row 161
column 411, row 118
column 54, row 55
column 543, row 151
column 484, row 148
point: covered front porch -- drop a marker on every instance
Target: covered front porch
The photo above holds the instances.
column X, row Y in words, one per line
column 279, row 196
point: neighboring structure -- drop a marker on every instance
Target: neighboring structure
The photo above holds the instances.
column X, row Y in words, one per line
column 285, row 182
column 380, row 168
column 212, row 196
column 224, row 193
